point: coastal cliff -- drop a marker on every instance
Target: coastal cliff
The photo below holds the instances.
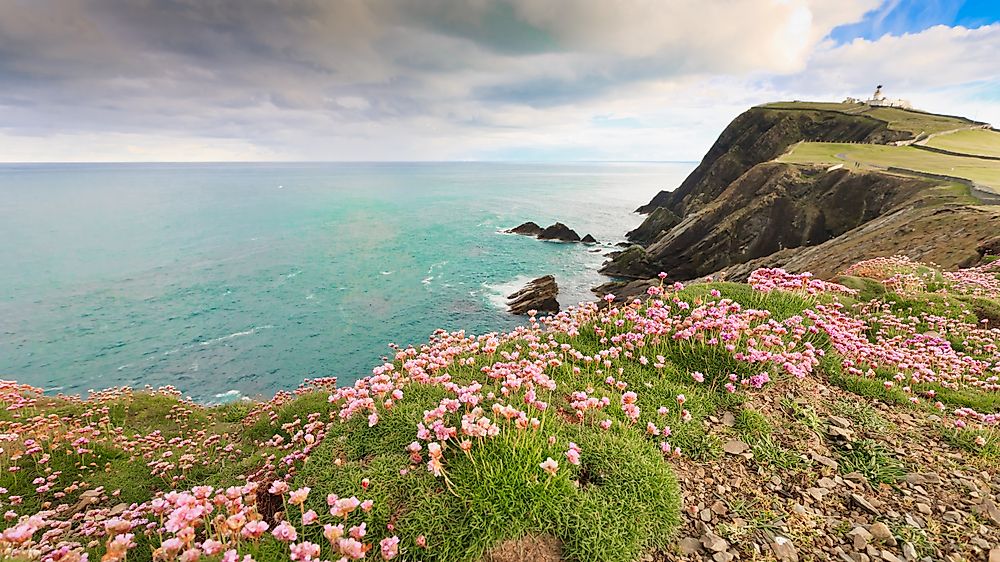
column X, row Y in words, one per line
column 761, row 134
column 811, row 189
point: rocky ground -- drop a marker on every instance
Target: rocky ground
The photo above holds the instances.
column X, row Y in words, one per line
column 936, row 502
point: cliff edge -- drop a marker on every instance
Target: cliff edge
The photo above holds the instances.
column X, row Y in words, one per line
column 811, row 187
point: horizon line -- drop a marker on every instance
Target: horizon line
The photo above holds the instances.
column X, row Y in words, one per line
column 71, row 162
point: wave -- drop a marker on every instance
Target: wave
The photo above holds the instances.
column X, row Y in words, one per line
column 249, row 332
column 496, row 293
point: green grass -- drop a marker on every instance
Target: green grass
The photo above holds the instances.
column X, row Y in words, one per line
column 876, row 156
column 804, row 414
column 914, row 122
column 871, row 459
column 819, row 105
column 966, row 439
column 862, row 414
column 622, row 499
column 975, row 142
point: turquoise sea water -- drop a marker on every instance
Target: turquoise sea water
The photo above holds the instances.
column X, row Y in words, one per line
column 242, row 279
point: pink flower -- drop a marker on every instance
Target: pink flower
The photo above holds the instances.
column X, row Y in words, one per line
column 172, row 545
column 333, row 532
column 573, row 454
column 304, row 551
column 211, row 547
column 284, row 532
column 550, row 466
column 278, row 487
column 351, row 548
column 230, row 556
column 390, row 547
column 254, row 529
column 344, row 506
column 422, row 541
column 359, row 531
column 309, row 517
column 298, row 497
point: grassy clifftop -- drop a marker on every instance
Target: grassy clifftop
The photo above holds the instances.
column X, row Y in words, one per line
column 784, row 418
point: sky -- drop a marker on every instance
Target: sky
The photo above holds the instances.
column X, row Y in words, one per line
column 441, row 80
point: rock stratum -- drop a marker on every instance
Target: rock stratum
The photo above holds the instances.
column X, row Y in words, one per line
column 538, row 295
column 749, row 204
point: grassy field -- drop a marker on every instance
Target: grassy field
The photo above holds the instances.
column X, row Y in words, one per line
column 915, row 122
column 821, row 105
column 875, row 156
column 975, row 142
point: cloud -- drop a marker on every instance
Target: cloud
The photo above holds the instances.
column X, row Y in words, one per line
column 433, row 79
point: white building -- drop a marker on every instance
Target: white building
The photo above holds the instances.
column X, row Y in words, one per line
column 878, row 99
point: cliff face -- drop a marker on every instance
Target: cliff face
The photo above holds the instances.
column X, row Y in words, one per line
column 769, row 208
column 739, row 209
column 762, row 134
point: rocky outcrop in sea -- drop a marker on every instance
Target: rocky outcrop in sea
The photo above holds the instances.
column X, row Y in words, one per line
column 558, row 231
column 539, row 295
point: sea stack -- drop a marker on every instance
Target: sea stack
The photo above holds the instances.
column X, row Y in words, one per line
column 559, row 231
column 539, row 294
column 528, row 229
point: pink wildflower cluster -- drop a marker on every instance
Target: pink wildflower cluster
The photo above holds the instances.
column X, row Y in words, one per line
column 767, row 280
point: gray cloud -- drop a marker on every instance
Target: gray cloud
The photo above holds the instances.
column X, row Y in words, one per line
column 384, row 79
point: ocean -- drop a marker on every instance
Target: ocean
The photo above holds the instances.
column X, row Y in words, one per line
column 233, row 280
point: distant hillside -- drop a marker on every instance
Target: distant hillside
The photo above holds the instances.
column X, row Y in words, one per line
column 843, row 181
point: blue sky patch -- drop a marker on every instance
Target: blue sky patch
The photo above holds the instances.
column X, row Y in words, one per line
column 897, row 17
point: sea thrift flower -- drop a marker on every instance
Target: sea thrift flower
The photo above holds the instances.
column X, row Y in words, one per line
column 278, row 487
column 390, row 547
column 254, row 529
column 304, row 551
column 309, row 517
column 550, row 466
column 284, row 532
column 333, row 533
column 573, row 454
column 298, row 497
column 211, row 547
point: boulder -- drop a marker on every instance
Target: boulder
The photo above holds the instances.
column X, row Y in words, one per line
column 539, row 294
column 559, row 231
column 528, row 229
column 990, row 247
column 588, row 239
